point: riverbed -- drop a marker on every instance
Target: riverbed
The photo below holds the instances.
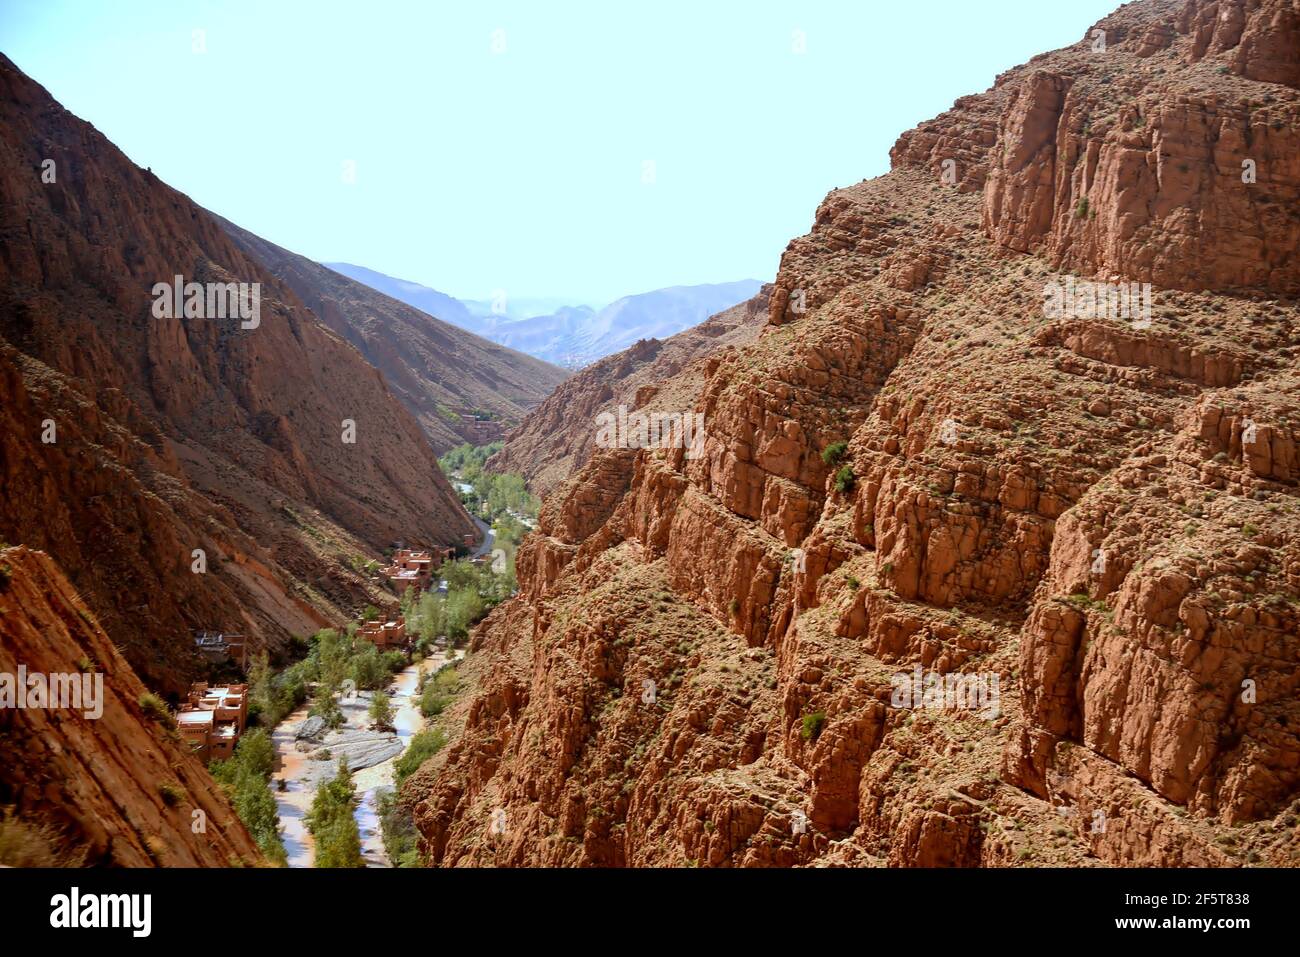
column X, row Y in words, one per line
column 301, row 765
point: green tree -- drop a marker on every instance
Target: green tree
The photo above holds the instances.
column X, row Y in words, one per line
column 368, row 668
column 261, row 687
column 438, row 691
column 246, row 780
column 333, row 654
column 509, row 530
column 401, row 839
column 325, row 705
column 257, row 753
column 464, row 609
column 332, row 823
column 381, row 710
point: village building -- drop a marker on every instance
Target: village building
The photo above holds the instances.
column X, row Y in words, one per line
column 218, row 647
column 386, row 636
column 415, row 568
column 213, row 719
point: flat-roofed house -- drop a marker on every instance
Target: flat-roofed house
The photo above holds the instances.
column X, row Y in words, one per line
column 213, row 719
column 387, row 635
column 218, row 647
column 196, row 728
column 415, row 568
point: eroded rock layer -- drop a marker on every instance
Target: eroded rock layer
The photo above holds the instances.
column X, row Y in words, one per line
column 559, row 436
column 1093, row 518
column 109, row 788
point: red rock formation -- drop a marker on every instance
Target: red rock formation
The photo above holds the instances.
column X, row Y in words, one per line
column 117, row 789
column 558, row 436
column 1096, row 516
column 178, row 434
column 1125, row 161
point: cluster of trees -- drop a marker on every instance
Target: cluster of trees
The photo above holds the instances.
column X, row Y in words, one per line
column 472, row 592
column 493, row 494
column 273, row 695
column 246, row 779
column 467, row 459
column 509, row 533
column 395, row 821
column 332, row 824
column 332, row 657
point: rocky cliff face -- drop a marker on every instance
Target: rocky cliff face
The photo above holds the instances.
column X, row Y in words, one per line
column 115, row 788
column 441, row 373
column 131, row 440
column 558, row 436
column 1087, row 523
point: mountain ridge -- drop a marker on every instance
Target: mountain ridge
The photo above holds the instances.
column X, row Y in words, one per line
column 230, row 472
column 574, row 335
column 916, row 479
column 558, row 437
column 445, row 375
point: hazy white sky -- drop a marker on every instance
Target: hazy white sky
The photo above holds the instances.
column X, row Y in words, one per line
column 578, row 150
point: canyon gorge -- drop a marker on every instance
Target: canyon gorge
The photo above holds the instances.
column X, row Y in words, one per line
column 930, row 449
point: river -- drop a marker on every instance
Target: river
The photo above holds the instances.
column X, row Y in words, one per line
column 371, row 755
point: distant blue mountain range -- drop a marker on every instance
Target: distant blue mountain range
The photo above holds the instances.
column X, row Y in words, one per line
column 566, row 334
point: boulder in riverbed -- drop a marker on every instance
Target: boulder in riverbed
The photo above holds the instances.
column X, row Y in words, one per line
column 312, row 729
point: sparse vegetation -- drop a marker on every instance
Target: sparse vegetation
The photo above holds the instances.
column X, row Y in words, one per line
column 812, row 725
column 172, row 793
column 845, row 479
column 155, row 709
column 30, row 844
column 832, row 454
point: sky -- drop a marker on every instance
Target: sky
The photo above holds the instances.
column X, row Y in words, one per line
column 580, row 151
